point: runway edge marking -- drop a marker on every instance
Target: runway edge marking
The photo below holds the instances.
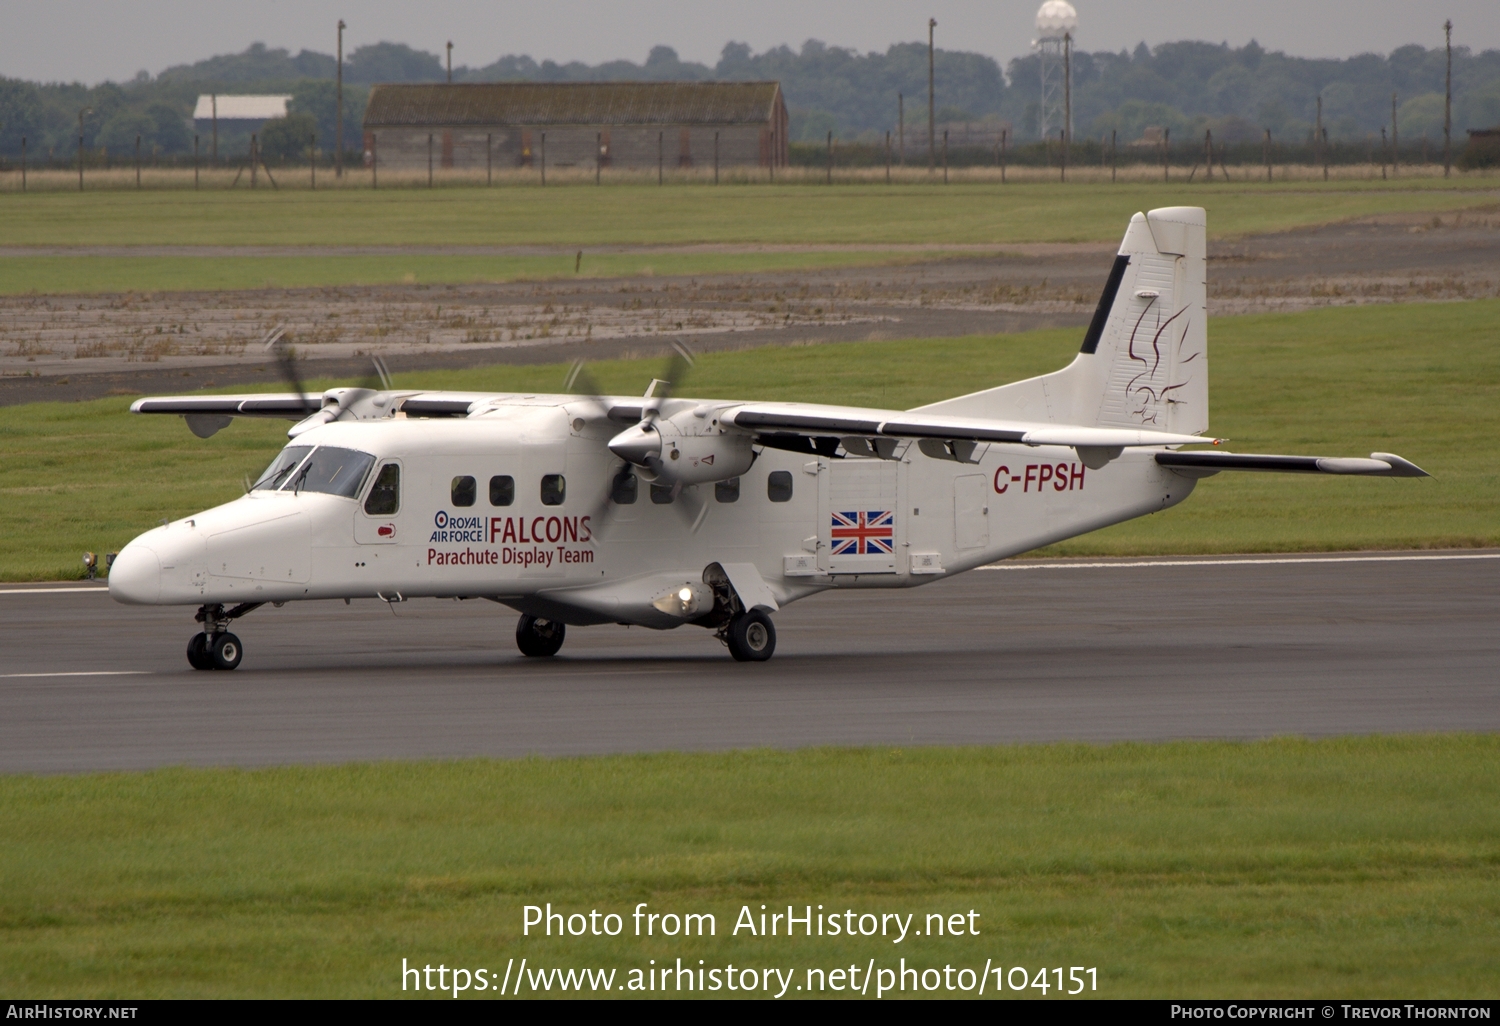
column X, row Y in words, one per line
column 1238, row 562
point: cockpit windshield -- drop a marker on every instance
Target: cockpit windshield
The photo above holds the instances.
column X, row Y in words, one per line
column 327, row 469
column 286, row 461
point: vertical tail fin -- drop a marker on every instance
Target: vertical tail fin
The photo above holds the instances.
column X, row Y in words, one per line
column 1144, row 360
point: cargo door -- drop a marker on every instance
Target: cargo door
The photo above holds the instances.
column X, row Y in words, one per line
column 861, row 517
column 971, row 511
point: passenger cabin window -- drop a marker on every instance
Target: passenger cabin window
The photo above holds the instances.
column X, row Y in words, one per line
column 779, row 486
column 662, row 494
column 554, row 489
column 502, row 490
column 286, row 461
column 625, row 489
column 727, row 491
column 385, row 494
column 463, row 491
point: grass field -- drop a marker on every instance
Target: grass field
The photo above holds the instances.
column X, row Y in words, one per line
column 861, row 215
column 1419, row 380
column 85, row 274
column 1355, row 867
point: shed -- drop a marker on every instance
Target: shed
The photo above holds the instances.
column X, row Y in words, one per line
column 617, row 124
column 242, row 113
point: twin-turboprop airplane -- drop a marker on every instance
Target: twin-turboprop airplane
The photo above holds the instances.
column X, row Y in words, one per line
column 663, row 511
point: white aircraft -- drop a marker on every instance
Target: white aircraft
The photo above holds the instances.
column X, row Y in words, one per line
column 662, row 511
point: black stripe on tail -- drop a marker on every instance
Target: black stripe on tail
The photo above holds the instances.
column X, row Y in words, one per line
column 1106, row 301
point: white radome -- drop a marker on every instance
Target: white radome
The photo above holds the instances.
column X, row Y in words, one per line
column 1055, row 19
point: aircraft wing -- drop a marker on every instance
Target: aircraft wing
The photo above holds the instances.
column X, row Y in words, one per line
column 289, row 405
column 1202, row 464
column 818, row 421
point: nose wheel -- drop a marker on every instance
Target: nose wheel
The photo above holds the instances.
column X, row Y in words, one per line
column 214, row 648
column 539, row 638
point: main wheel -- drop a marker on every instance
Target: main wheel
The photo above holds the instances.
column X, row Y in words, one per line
column 539, row 638
column 197, row 652
column 752, row 637
column 225, row 651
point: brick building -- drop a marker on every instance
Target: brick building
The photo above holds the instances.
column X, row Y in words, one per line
column 619, row 124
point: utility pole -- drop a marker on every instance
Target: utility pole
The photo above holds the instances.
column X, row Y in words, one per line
column 1067, row 93
column 931, row 101
column 81, row 113
column 901, row 128
column 1395, row 140
column 338, row 135
column 1448, row 103
column 450, row 62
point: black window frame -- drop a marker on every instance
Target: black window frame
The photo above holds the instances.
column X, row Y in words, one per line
column 370, row 495
column 557, row 498
column 625, row 489
column 727, row 490
column 502, row 490
column 470, row 492
column 779, row 478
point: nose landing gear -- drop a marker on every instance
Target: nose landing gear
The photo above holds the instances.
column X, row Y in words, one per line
column 539, row 638
column 214, row 648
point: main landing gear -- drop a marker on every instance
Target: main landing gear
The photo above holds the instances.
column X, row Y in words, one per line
column 539, row 638
column 214, row 648
column 751, row 637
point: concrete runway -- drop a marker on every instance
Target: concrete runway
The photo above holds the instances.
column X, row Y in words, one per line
column 1099, row 651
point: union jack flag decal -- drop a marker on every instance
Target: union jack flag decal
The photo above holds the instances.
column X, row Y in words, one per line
column 864, row 533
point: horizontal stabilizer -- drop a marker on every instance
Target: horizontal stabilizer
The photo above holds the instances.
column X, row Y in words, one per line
column 1202, row 464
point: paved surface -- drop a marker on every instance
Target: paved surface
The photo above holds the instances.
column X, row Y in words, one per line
column 1106, row 651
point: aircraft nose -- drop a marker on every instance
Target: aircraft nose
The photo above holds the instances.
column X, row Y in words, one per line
column 135, row 576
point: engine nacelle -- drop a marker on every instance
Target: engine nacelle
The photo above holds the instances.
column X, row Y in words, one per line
column 688, row 448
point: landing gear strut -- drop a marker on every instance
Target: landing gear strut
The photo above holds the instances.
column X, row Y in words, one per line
column 539, row 638
column 214, row 648
column 751, row 637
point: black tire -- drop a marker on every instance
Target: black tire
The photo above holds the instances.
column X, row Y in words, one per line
column 226, row 651
column 539, row 638
column 752, row 637
column 197, row 652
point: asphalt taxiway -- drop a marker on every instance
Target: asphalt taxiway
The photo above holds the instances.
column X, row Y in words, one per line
column 1235, row 647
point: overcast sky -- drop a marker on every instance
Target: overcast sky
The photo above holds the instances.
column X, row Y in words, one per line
column 79, row 40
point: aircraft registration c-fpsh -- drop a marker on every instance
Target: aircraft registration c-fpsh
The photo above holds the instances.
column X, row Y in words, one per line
column 663, row 511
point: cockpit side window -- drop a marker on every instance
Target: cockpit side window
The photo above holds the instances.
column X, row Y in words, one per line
column 385, row 494
column 332, row 471
column 286, row 461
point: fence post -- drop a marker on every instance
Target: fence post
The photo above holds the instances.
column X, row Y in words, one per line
column 1062, row 147
column 254, row 159
column 544, row 160
column 945, row 156
column 830, row 158
column 429, row 160
column 312, row 161
column 887, row 158
column 1266, row 153
column 374, row 161
column 195, row 160
column 137, row 162
column 1166, row 154
column 1114, row 159
column 716, row 158
column 489, row 147
column 599, row 155
column 80, row 161
column 23, row 163
column 1325, row 154
column 1208, row 153
column 661, row 156
column 1004, row 140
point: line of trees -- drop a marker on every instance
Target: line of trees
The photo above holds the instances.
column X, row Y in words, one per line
column 1185, row 86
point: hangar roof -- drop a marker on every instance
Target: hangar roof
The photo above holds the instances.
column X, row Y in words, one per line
column 572, row 103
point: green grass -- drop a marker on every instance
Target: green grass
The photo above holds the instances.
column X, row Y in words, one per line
column 1420, row 380
column 84, row 274
column 864, row 215
column 1355, row 867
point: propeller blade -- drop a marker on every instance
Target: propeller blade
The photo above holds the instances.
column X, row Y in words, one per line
column 675, row 373
column 286, row 363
